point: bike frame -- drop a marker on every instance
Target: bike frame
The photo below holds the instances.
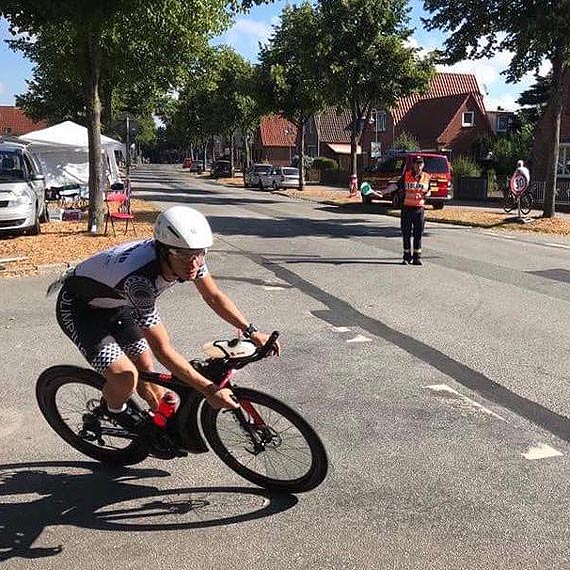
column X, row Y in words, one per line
column 185, row 426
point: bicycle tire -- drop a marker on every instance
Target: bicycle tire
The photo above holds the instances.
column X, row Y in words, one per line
column 509, row 203
column 47, row 386
column 526, row 203
column 312, row 478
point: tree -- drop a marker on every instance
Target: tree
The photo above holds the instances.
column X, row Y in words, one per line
column 369, row 61
column 533, row 31
column 292, row 67
column 156, row 38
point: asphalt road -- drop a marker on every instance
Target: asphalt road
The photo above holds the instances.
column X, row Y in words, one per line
column 442, row 394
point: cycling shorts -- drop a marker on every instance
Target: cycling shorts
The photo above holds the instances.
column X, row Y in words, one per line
column 102, row 335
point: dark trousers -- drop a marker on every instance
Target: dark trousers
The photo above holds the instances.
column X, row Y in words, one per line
column 412, row 223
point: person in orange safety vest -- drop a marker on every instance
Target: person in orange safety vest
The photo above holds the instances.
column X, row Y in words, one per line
column 414, row 187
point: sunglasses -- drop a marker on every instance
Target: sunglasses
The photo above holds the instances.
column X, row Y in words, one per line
column 187, row 254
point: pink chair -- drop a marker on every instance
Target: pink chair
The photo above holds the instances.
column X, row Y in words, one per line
column 119, row 209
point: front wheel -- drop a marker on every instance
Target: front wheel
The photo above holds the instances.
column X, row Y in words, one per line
column 270, row 445
column 68, row 397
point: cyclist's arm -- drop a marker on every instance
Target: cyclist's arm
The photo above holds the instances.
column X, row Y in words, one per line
column 225, row 308
column 172, row 360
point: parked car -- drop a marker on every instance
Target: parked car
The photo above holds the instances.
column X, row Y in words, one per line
column 193, row 165
column 283, row 177
column 221, row 169
column 22, row 189
column 383, row 177
column 257, row 175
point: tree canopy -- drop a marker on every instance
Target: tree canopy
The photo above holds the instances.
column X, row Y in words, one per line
column 292, row 70
column 370, row 60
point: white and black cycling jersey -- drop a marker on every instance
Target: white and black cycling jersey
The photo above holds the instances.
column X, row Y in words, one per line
column 124, row 275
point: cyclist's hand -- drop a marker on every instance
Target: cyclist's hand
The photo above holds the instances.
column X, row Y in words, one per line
column 221, row 398
column 260, row 339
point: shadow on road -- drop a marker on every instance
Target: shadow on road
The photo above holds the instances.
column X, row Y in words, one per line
column 88, row 495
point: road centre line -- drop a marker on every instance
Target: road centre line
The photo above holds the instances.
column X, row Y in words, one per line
column 448, row 390
column 341, row 329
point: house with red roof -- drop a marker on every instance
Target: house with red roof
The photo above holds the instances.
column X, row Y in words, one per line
column 449, row 116
column 275, row 141
column 15, row 122
column 328, row 134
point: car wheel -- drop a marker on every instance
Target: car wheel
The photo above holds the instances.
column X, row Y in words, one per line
column 396, row 202
column 438, row 206
column 366, row 200
column 260, row 185
column 36, row 228
column 274, row 185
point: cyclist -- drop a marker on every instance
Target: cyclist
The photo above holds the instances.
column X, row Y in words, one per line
column 107, row 307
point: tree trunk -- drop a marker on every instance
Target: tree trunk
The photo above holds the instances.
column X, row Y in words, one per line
column 232, row 157
column 553, row 116
column 247, row 144
column 96, row 206
column 301, row 146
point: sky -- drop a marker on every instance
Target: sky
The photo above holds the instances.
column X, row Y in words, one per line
column 255, row 27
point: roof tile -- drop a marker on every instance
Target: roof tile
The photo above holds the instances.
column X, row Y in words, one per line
column 14, row 121
column 277, row 131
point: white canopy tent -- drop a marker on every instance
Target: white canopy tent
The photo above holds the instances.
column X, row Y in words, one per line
column 63, row 151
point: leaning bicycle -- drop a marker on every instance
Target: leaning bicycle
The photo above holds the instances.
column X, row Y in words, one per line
column 264, row 440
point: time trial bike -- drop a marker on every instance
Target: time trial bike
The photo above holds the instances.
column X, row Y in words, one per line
column 264, row 440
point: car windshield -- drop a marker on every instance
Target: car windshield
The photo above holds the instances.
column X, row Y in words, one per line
column 11, row 166
column 263, row 168
column 291, row 171
column 436, row 165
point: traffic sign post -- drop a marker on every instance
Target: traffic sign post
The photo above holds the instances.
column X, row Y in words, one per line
column 518, row 185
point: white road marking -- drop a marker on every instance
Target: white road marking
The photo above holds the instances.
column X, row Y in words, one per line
column 359, row 338
column 341, row 329
column 541, row 451
column 467, row 401
column 559, row 245
column 273, row 288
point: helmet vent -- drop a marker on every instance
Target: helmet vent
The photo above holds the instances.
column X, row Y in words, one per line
column 173, row 231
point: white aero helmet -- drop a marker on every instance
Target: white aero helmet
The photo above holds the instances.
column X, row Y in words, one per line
column 183, row 227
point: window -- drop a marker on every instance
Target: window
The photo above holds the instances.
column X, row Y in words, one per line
column 311, row 150
column 309, row 127
column 468, row 119
column 502, row 124
column 8, row 130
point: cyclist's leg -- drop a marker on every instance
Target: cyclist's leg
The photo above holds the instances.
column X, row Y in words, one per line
column 90, row 330
column 151, row 393
column 129, row 336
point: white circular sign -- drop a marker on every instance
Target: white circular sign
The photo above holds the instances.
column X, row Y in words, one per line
column 518, row 183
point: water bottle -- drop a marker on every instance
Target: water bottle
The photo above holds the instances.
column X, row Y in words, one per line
column 166, row 409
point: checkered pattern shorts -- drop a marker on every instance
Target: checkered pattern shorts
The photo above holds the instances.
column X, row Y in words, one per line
column 102, row 335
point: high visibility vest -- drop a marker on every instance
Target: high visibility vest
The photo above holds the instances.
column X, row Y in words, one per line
column 415, row 190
